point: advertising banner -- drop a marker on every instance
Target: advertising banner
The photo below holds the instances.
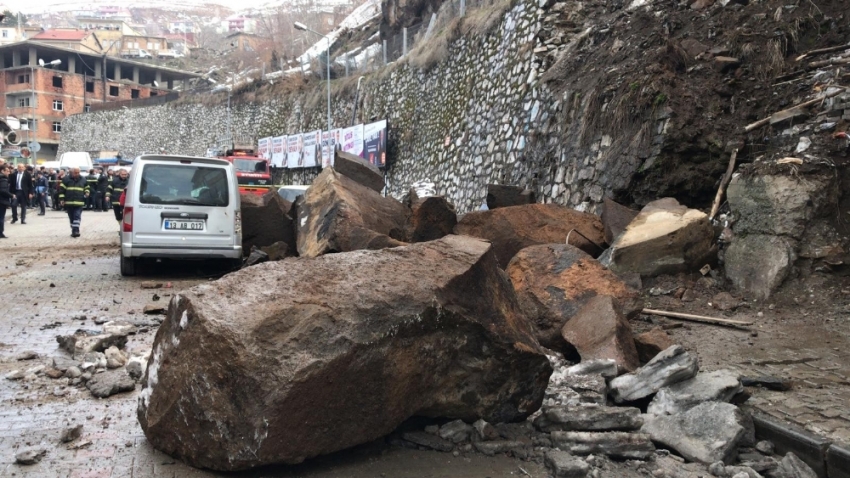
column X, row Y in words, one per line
column 279, row 151
column 330, row 143
column 310, row 150
column 293, row 151
column 375, row 143
column 352, row 140
column 263, row 148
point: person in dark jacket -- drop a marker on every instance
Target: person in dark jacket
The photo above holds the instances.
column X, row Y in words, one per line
column 91, row 179
column 41, row 192
column 119, row 183
column 102, row 186
column 73, row 193
column 20, row 185
column 5, row 197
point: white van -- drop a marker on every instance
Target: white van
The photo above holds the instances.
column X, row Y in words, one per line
column 76, row 159
column 181, row 207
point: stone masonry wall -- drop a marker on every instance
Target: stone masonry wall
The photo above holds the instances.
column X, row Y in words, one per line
column 480, row 116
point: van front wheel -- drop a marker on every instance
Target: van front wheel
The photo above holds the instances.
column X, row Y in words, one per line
column 128, row 266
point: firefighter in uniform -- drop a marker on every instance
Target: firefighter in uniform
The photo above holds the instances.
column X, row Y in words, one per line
column 73, row 194
column 91, row 180
column 116, row 187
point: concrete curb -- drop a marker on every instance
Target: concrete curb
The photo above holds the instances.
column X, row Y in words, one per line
column 816, row 451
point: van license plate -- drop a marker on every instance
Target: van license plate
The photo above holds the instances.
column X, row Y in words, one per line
column 185, row 225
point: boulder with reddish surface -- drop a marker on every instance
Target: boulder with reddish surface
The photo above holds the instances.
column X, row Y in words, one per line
column 665, row 238
column 651, row 343
column 338, row 214
column 599, row 331
column 554, row 281
column 360, row 170
column 265, row 221
column 615, row 218
column 430, row 218
column 339, row 351
column 499, row 195
column 512, row 229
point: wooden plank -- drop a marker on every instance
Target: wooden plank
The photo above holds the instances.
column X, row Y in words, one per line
column 697, row 318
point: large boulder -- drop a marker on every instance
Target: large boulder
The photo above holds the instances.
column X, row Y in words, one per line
column 599, row 331
column 554, row 281
column 430, row 218
column 499, row 195
column 758, row 264
column 665, row 238
column 265, row 221
column 512, row 229
column 336, row 351
column 615, row 219
column 338, row 214
column 359, row 170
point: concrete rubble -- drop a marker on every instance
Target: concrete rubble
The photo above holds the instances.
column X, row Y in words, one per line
column 667, row 368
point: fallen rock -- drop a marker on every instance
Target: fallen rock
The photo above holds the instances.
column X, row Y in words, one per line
column 724, row 301
column 338, row 214
column 665, row 238
column 484, row 430
column 492, row 448
column 73, row 372
column 71, row 434
column 505, row 196
column 758, row 264
column 109, row 383
column 791, row 466
column 708, row 432
column 278, row 251
column 255, row 257
column 119, row 327
column 117, row 356
column 615, row 219
column 554, row 281
column 717, row 386
column 54, row 373
column 436, row 333
column 765, row 447
column 30, row 457
column 456, row 431
column 565, row 389
column 605, row 367
column 430, row 218
column 62, row 363
column 148, row 285
column 27, row 355
column 667, row 368
column 599, row 331
column 651, row 343
column 623, row 445
column 588, row 418
column 428, row 440
column 137, row 364
column 563, row 465
column 359, row 170
column 266, row 220
column 82, row 342
column 511, row 229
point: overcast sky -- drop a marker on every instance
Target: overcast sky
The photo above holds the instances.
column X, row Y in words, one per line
column 39, row 6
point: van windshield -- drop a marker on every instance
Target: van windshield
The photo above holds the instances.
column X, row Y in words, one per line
column 184, row 185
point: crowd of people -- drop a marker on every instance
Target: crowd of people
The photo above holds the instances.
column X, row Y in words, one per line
column 27, row 187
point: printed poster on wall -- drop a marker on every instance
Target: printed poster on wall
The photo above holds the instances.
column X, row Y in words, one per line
column 263, row 146
column 310, row 149
column 279, row 151
column 330, row 143
column 293, row 151
column 352, row 140
column 375, row 143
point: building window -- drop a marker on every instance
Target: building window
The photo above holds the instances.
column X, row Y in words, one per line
column 113, row 91
column 134, row 94
column 24, row 102
column 89, row 87
column 57, row 82
column 5, row 33
column 57, row 127
column 27, row 124
column 58, row 106
column 154, row 93
column 24, row 78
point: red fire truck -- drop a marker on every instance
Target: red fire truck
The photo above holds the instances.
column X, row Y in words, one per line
column 252, row 172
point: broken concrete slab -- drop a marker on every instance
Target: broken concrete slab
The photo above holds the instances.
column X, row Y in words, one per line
column 430, row 218
column 605, row 367
column 266, row 220
column 599, row 331
column 109, row 383
column 708, row 432
column 554, row 281
column 511, row 229
column 665, row 238
column 716, row 386
column 566, row 389
column 623, row 445
column 758, row 264
column 651, row 343
column 564, row 465
column 615, row 219
column 587, row 418
column 505, row 196
column 82, row 342
column 791, row 466
column 338, row 214
column 359, row 170
column 667, row 368
column 437, row 324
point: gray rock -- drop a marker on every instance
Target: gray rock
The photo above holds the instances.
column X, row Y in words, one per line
column 758, row 264
column 135, row 369
column 82, row 342
column 109, row 383
column 62, row 363
column 717, row 386
column 29, row 457
column 495, row 447
column 119, row 327
column 117, row 356
column 27, row 355
column 71, row 434
column 605, row 367
column 456, row 431
column 588, row 418
column 792, row 466
column 743, row 471
column 73, row 372
column 428, row 441
column 768, row 382
column 765, row 447
column 112, row 363
column 255, row 257
column 566, row 389
column 614, row 444
column 667, row 368
column 485, row 431
column 708, row 432
column 15, row 375
column 563, row 465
